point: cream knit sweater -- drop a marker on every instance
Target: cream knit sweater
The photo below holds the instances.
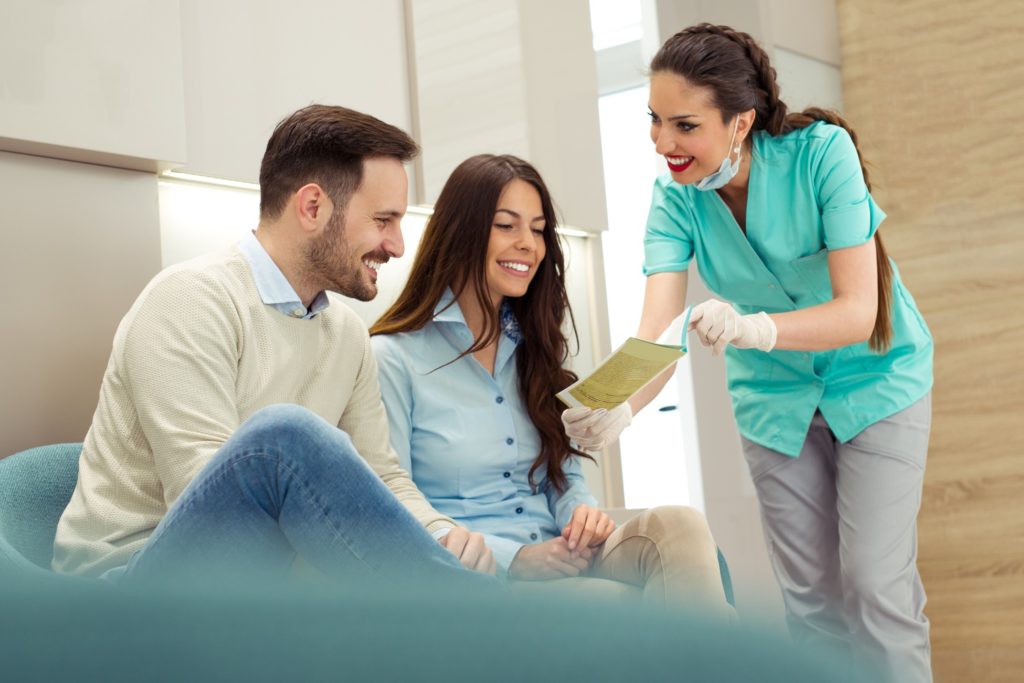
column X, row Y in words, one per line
column 196, row 355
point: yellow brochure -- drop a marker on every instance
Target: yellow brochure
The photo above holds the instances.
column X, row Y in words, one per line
column 628, row 369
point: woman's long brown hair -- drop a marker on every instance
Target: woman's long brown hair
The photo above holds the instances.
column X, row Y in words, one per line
column 452, row 254
column 739, row 74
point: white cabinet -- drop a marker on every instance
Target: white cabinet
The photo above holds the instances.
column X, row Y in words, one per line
column 250, row 63
column 93, row 80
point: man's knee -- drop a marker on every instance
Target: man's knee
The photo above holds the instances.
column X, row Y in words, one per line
column 295, row 430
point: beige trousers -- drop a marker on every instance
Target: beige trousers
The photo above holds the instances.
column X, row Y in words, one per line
column 667, row 553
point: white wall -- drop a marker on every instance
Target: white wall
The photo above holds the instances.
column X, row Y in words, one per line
column 77, row 244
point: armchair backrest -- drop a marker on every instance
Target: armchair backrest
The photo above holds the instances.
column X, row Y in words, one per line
column 35, row 487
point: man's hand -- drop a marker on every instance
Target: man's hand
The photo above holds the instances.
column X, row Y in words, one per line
column 588, row 528
column 471, row 550
column 549, row 560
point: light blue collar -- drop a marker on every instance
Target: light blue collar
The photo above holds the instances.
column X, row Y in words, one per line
column 507, row 343
column 448, row 312
column 273, row 286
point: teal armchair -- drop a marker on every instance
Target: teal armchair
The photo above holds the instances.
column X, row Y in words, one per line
column 35, row 487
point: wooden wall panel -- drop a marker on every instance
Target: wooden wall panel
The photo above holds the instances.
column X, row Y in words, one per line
column 936, row 89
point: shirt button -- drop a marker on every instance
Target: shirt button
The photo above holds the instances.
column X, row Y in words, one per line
column 500, row 399
column 298, row 312
column 533, row 537
column 506, row 474
column 771, row 286
column 519, row 511
column 510, row 441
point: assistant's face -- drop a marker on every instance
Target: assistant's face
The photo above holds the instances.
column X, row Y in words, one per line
column 516, row 246
column 686, row 129
column 366, row 233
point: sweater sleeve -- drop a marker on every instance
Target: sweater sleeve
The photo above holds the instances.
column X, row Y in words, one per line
column 180, row 355
column 366, row 422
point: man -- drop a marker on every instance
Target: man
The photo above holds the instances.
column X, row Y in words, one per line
column 240, row 425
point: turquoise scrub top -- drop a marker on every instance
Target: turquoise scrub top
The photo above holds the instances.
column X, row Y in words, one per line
column 806, row 196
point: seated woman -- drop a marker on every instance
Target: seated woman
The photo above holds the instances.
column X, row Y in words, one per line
column 470, row 360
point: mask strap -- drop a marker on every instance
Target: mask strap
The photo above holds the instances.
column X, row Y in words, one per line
column 735, row 130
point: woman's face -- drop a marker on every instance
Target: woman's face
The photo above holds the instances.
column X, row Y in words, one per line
column 516, row 246
column 686, row 129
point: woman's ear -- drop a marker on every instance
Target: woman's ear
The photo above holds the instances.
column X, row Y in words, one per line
column 745, row 125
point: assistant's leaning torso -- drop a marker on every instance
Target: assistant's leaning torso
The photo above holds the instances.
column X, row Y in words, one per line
column 806, row 196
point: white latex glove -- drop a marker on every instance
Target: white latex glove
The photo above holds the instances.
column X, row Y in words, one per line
column 592, row 429
column 717, row 324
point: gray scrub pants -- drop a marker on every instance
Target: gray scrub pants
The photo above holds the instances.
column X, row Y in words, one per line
column 840, row 526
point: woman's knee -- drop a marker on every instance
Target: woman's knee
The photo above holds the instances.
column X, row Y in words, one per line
column 867, row 575
column 675, row 522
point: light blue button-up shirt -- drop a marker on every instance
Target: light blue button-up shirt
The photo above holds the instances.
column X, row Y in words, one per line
column 465, row 436
column 273, row 286
column 806, row 196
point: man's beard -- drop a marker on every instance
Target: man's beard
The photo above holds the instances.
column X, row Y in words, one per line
column 330, row 262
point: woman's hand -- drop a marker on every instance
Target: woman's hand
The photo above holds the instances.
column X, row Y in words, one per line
column 471, row 549
column 549, row 560
column 718, row 323
column 588, row 528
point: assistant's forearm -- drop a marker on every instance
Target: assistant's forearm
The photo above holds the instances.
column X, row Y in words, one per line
column 831, row 325
column 647, row 394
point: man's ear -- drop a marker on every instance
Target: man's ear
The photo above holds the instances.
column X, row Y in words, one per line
column 312, row 207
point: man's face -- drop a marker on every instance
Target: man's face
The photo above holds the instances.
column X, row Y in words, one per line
column 363, row 235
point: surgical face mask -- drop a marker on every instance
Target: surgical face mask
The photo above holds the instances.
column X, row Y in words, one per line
column 726, row 171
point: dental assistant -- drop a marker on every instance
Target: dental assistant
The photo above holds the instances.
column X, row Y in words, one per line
column 829, row 361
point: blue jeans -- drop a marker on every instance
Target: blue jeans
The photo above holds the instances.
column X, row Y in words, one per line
column 289, row 484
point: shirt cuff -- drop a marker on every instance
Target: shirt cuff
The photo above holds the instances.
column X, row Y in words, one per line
column 504, row 552
column 438, row 534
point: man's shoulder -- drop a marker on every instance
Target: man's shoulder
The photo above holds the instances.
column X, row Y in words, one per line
column 206, row 284
column 219, row 273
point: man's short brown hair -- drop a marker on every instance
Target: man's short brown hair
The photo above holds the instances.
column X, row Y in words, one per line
column 325, row 145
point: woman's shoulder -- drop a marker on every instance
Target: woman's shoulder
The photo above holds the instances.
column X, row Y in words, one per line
column 397, row 345
column 820, row 134
column 807, row 148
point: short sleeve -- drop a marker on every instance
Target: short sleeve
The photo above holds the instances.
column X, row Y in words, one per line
column 849, row 214
column 668, row 244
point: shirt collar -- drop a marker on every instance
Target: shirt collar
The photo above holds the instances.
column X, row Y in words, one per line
column 448, row 311
column 273, row 286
